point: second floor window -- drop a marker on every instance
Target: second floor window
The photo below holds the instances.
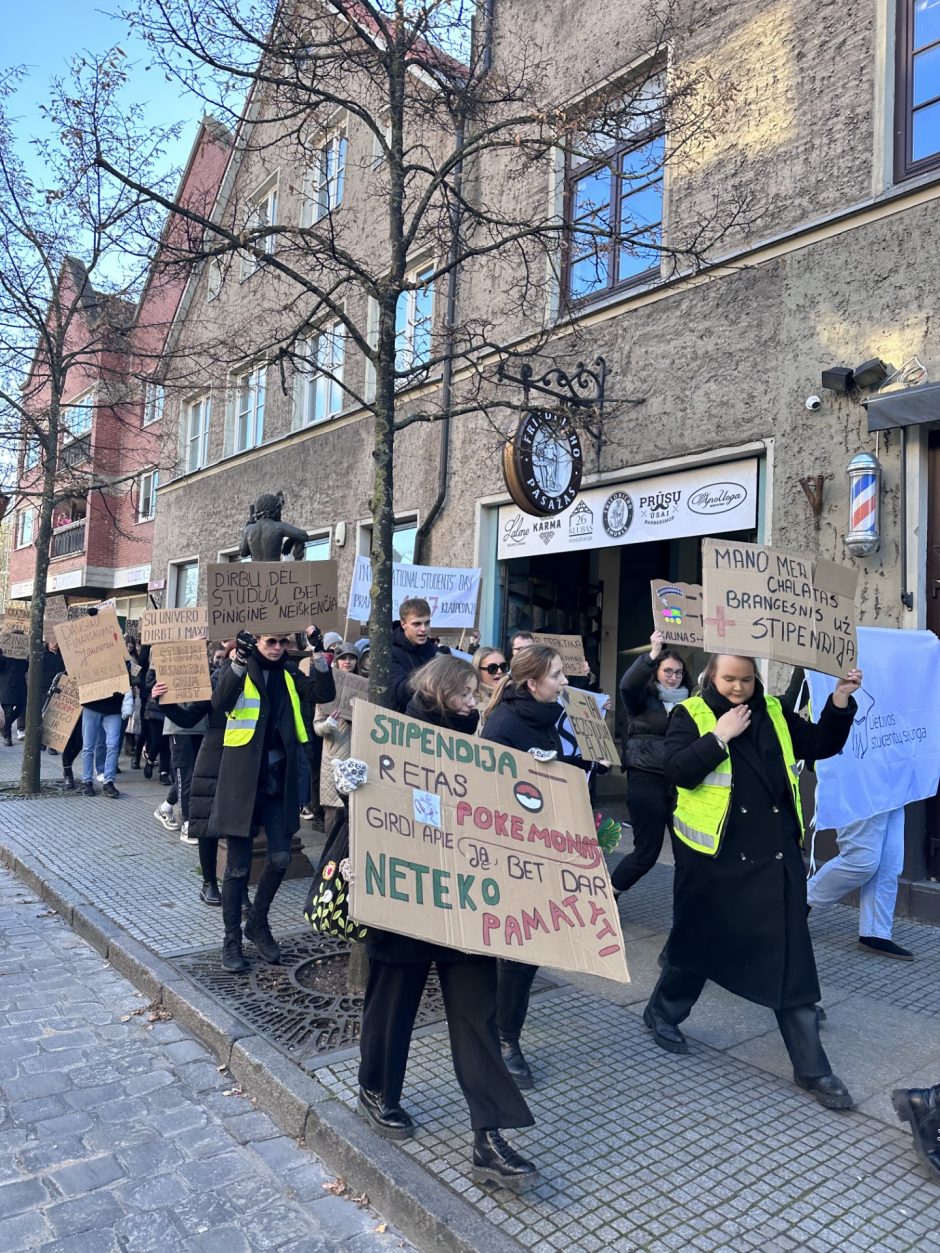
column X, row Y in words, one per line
column 414, row 321
column 917, row 92
column 185, row 584
column 614, row 203
column 325, row 183
column 262, row 212
column 147, row 496
column 321, row 376
column 77, row 417
column 249, row 409
column 153, row 403
column 196, row 433
column 24, row 528
column 31, row 453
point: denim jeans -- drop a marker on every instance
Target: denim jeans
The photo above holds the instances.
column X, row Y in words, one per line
column 92, row 722
column 871, row 857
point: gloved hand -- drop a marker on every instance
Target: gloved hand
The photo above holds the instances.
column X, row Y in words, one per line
column 244, row 643
column 315, row 637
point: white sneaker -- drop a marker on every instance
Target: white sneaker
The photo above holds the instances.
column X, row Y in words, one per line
column 185, row 837
column 166, row 817
column 20, row 735
column 306, row 813
column 100, row 778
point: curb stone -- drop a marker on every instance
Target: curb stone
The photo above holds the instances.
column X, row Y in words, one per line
column 426, row 1211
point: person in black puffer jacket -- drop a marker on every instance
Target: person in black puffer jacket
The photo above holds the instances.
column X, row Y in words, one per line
column 525, row 714
column 445, row 695
column 12, row 693
column 411, row 647
column 652, row 687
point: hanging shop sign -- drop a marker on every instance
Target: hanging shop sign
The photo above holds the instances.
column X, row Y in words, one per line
column 543, row 463
column 709, row 500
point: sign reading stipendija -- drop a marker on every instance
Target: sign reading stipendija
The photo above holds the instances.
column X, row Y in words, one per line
column 766, row 602
column 94, row 655
column 265, row 596
column 477, row 847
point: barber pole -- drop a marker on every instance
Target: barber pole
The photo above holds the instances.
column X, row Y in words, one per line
column 864, row 534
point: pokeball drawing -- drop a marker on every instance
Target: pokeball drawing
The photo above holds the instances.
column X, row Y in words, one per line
column 528, row 796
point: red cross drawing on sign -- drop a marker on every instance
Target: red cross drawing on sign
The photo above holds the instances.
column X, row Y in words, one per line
column 720, row 622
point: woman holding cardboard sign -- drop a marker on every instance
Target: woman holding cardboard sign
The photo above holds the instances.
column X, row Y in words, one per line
column 739, row 913
column 336, row 733
column 444, row 695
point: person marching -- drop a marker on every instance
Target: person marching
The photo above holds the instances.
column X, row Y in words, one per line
column 444, row 694
column 336, row 733
column 651, row 688
column 739, row 910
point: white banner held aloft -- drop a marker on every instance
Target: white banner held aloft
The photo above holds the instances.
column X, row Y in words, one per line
column 893, row 753
column 452, row 593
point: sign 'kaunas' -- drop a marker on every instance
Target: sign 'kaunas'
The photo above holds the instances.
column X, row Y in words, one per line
column 543, row 463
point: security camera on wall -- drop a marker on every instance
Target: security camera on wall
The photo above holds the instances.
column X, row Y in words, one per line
column 813, row 403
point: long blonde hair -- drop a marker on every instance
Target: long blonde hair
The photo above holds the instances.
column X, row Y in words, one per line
column 530, row 665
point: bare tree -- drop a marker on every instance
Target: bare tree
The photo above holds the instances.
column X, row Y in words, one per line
column 465, row 151
column 65, row 322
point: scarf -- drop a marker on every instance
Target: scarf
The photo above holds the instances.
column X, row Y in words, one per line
column 671, row 695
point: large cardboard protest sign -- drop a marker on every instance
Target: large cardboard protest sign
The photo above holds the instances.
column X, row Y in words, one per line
column 164, row 626
column 56, row 613
column 16, row 616
column 766, row 602
column 590, row 726
column 184, row 667
column 266, row 596
column 94, row 655
column 15, row 644
column 349, row 687
column 452, row 593
column 677, row 612
column 478, row 847
column 61, row 714
column 569, row 647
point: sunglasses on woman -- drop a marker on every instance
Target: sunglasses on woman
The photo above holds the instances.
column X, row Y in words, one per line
column 496, row 667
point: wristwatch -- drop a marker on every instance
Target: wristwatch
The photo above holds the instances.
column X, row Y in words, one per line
column 723, row 743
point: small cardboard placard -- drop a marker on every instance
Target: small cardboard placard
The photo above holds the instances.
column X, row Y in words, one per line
column 16, row 616
column 166, row 626
column 61, row 714
column 677, row 612
column 569, row 647
column 94, row 655
column 15, row 644
column 266, row 596
column 349, row 687
column 55, row 614
column 767, row 602
column 184, row 667
column 472, row 845
column 590, row 726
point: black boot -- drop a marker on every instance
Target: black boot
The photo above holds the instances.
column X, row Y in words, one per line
column 516, row 1063
column 494, row 1161
column 666, row 1034
column 233, row 959
column 390, row 1121
column 69, row 778
column 259, row 933
column 920, row 1108
column 829, row 1090
column 210, row 894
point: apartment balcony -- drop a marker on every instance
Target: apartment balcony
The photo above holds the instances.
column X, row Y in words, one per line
column 69, row 539
column 75, row 453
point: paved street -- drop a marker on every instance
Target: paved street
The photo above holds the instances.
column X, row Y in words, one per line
column 638, row 1149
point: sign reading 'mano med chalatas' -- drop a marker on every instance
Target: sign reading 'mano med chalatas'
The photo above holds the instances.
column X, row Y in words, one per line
column 475, row 846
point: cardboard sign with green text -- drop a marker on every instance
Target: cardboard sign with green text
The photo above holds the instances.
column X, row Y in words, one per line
column 477, row 847
column 590, row 726
column 766, row 602
column 61, row 715
column 271, row 596
column 164, row 626
column 569, row 647
column 184, row 667
column 677, row 612
column 94, row 655
column 15, row 645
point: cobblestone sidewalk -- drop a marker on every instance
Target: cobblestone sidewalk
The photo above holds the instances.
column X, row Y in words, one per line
column 118, row 1134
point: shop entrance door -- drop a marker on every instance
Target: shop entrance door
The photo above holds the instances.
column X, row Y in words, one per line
column 558, row 594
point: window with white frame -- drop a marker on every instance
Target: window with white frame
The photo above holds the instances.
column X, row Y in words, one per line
column 77, row 417
column 317, row 548
column 404, row 538
column 324, row 190
column 24, row 528
column 320, row 377
column 185, row 584
column 414, row 320
column 196, row 415
column 154, row 396
column 147, row 495
column 262, row 212
column 248, row 409
column 31, row 452
column 214, row 279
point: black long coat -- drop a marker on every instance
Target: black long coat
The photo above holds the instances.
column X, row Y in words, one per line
column 12, row 680
column 739, row 918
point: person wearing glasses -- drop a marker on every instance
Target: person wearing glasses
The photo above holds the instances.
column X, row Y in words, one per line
column 491, row 665
column 650, row 690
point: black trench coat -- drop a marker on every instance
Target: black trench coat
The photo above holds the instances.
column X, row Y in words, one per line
column 739, row 918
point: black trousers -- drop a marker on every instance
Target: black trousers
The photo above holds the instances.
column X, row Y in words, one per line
column 156, row 744
column 11, row 716
column 73, row 748
column 393, row 994
column 677, row 991
column 512, row 997
column 183, row 750
column 650, row 802
column 268, row 813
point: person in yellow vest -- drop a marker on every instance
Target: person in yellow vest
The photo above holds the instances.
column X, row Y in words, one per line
column 739, row 910
column 256, row 780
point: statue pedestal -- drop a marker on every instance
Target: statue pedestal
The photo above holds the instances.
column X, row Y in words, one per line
column 299, row 867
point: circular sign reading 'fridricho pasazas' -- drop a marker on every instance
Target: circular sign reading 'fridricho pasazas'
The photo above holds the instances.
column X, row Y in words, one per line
column 543, row 463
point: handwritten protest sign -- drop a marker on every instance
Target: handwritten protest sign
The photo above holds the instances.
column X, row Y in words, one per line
column 56, row 613
column 452, row 593
column 164, row 626
column 478, row 847
column 16, row 616
column 61, row 715
column 94, row 655
column 569, row 647
column 15, row 644
column 766, row 602
column 184, row 667
column 590, row 726
column 677, row 612
column 349, row 687
column 74, row 612
column 264, row 596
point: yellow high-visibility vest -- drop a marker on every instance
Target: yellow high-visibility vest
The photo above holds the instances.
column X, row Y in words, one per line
column 701, row 812
column 242, row 719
